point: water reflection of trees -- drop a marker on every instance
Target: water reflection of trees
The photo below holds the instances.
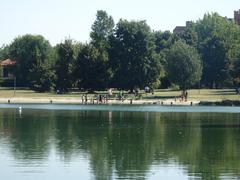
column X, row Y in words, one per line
column 127, row 144
column 28, row 134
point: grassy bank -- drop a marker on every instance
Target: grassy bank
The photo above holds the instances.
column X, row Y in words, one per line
column 211, row 95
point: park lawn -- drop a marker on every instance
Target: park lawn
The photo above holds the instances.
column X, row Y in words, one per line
column 194, row 94
column 33, row 94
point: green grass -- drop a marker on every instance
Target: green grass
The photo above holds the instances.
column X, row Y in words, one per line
column 194, row 94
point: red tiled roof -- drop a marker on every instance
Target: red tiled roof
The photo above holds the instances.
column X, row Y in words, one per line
column 8, row 62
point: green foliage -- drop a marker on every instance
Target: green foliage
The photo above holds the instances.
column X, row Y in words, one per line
column 101, row 30
column 130, row 56
column 163, row 40
column 64, row 65
column 92, row 67
column 42, row 78
column 4, row 52
column 214, row 62
column 90, row 70
column 133, row 58
column 236, row 70
column 218, row 46
column 183, row 65
column 190, row 36
column 31, row 53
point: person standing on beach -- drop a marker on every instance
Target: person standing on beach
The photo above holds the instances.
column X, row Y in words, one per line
column 100, row 98
column 82, row 98
column 186, row 95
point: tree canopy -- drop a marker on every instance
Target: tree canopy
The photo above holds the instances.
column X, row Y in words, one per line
column 130, row 55
column 183, row 65
column 133, row 58
column 32, row 54
column 63, row 66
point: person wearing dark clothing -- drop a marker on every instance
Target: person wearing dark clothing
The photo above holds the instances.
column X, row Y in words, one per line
column 186, row 95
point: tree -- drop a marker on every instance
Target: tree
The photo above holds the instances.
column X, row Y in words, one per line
column 4, row 52
column 42, row 78
column 102, row 29
column 133, row 59
column 218, row 40
column 163, row 40
column 32, row 54
column 183, row 65
column 215, row 69
column 190, row 36
column 90, row 70
column 235, row 69
column 64, row 65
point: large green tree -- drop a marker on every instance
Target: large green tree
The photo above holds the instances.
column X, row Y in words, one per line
column 102, row 29
column 215, row 69
column 190, row 36
column 183, row 65
column 218, row 40
column 163, row 42
column 92, row 67
column 64, row 65
column 33, row 56
column 133, row 58
column 90, row 70
column 235, row 69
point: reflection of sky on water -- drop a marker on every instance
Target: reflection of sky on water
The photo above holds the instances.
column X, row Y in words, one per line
column 53, row 167
column 48, row 168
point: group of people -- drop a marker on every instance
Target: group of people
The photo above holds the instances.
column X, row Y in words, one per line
column 184, row 96
column 102, row 98
column 84, row 98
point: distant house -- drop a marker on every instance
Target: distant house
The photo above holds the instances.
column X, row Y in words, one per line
column 7, row 67
column 179, row 29
column 237, row 16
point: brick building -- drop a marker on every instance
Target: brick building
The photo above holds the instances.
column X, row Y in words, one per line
column 181, row 29
column 237, row 16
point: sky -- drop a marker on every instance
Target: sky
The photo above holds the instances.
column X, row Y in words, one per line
column 57, row 20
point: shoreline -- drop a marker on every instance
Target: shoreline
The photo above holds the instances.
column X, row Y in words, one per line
column 74, row 100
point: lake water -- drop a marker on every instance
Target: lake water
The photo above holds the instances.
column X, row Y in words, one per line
column 46, row 142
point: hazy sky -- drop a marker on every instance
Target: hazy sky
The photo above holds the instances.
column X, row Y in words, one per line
column 58, row 19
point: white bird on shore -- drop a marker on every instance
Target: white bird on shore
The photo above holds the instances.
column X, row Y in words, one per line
column 20, row 110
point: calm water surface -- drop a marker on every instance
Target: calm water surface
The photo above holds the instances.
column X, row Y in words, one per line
column 46, row 142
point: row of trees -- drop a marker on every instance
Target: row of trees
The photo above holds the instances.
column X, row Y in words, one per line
column 130, row 55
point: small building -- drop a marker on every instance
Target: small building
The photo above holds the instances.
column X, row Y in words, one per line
column 237, row 16
column 7, row 67
column 179, row 29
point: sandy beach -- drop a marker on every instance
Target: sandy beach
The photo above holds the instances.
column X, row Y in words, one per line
column 74, row 100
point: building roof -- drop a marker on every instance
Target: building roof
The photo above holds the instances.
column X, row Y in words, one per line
column 179, row 29
column 8, row 62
